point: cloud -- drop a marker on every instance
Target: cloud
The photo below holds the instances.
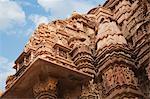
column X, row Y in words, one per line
column 29, row 31
column 38, row 19
column 64, row 8
column 25, row 3
column 5, row 71
column 11, row 14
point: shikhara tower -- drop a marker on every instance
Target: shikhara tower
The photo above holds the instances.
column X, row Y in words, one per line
column 103, row 54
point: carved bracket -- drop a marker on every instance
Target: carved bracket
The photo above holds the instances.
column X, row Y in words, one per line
column 46, row 89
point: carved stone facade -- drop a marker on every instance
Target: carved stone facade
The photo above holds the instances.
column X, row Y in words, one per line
column 103, row 54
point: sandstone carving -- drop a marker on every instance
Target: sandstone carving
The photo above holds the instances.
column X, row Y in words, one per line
column 104, row 54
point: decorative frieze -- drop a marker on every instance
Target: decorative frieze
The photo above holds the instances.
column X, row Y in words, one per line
column 118, row 76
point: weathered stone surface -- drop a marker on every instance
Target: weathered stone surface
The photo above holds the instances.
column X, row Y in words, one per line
column 104, row 54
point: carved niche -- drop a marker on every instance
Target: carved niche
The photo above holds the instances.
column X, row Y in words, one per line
column 118, row 76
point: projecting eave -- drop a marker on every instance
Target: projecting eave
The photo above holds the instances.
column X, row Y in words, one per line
column 41, row 67
column 20, row 57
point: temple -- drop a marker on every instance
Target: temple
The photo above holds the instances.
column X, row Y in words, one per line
column 103, row 54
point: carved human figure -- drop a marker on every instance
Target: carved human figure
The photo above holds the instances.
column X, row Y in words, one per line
column 129, row 76
column 119, row 75
column 109, row 77
column 92, row 86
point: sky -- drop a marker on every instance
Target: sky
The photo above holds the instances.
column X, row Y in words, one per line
column 19, row 18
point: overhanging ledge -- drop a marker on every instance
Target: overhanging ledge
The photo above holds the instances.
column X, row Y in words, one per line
column 41, row 66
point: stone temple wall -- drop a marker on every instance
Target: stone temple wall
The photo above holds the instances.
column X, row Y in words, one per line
column 103, row 54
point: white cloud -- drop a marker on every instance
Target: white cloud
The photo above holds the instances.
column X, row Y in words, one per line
column 25, row 3
column 82, row 6
column 11, row 14
column 5, row 71
column 29, row 31
column 38, row 19
column 64, row 8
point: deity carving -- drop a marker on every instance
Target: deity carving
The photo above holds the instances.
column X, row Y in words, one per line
column 109, row 77
column 129, row 76
column 118, row 76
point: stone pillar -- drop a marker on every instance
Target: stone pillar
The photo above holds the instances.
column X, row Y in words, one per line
column 57, row 51
column 46, row 89
column 31, row 56
column 91, row 91
column 17, row 66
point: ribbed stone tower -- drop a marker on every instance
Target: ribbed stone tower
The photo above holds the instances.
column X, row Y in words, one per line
column 114, row 62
